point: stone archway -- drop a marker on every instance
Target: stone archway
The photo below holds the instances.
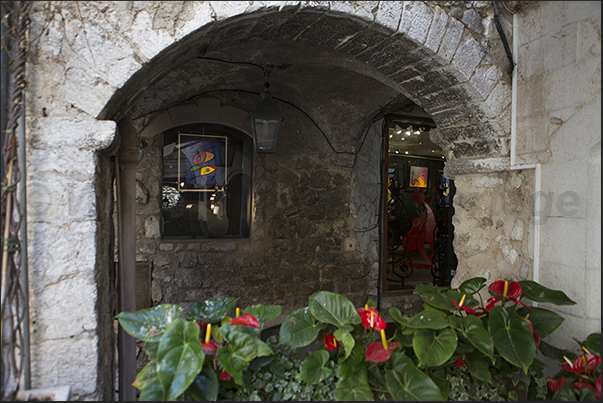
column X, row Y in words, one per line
column 95, row 62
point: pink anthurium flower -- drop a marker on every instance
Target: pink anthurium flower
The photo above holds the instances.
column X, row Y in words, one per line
column 555, row 384
column 371, row 318
column 330, row 342
column 580, row 385
column 376, row 352
column 459, row 362
column 246, row 319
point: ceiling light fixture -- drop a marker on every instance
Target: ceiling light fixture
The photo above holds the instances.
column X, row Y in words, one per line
column 266, row 121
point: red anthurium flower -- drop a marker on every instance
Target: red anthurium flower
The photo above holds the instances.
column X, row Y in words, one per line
column 202, row 325
column 371, row 318
column 508, row 290
column 490, row 303
column 470, row 311
column 225, row 376
column 330, row 342
column 246, row 319
column 584, row 363
column 459, row 362
column 598, row 387
column 536, row 339
column 377, row 353
column 210, row 347
column 555, row 384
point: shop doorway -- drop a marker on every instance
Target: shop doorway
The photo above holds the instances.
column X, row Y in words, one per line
column 418, row 206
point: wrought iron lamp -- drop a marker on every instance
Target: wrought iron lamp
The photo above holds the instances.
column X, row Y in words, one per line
column 266, row 122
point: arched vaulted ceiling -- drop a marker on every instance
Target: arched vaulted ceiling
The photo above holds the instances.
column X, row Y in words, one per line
column 340, row 69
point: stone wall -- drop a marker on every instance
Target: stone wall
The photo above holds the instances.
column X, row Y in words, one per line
column 304, row 210
column 492, row 226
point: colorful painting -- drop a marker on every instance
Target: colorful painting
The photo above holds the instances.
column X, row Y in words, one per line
column 418, row 177
column 203, row 167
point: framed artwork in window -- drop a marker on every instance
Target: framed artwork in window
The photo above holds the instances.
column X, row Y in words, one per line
column 202, row 162
column 418, row 177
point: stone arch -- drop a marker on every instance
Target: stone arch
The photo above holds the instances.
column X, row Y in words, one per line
column 414, row 48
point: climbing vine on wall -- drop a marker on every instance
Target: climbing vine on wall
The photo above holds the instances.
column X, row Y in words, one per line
column 15, row 21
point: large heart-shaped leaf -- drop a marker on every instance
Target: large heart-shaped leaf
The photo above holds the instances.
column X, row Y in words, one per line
column 434, row 347
column 348, row 342
column 427, row 320
column 408, row 383
column 180, row 357
column 473, row 330
column 211, row 310
column 512, row 337
column 544, row 321
column 355, row 388
column 348, row 365
column 205, row 386
column 332, row 308
column 539, row 293
column 241, row 350
column 478, row 366
column 148, row 383
column 443, row 300
column 299, row 329
column 149, row 324
column 313, row 368
column 472, row 285
column 264, row 313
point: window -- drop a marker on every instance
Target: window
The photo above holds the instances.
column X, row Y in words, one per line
column 206, row 190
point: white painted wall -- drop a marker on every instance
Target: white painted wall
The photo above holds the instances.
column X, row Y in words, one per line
column 559, row 127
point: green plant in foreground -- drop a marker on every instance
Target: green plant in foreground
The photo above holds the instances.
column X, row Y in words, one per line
column 185, row 363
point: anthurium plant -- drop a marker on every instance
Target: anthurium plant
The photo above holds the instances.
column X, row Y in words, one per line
column 580, row 375
column 496, row 337
column 215, row 344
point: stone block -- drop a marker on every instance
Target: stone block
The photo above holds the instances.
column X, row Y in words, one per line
column 452, row 38
column 467, row 57
column 437, row 30
column 567, row 250
column 183, row 114
column 416, row 20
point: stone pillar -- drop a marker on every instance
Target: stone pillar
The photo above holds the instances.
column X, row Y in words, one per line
column 126, row 190
column 63, row 245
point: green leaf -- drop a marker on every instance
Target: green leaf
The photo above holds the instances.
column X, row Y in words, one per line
column 205, row 386
column 592, row 343
column 149, row 324
column 148, row 383
column 150, row 349
column 211, row 310
column 473, row 329
column 566, row 394
column 539, row 293
column 344, row 337
column 241, row 350
column 348, row 365
column 299, row 329
column 180, row 357
column 427, row 320
column 438, row 375
column 332, row 308
column 434, row 347
column 544, row 321
column 443, row 300
column 355, row 388
column 512, row 337
column 397, row 316
column 408, row 383
column 472, row 286
column 264, row 313
column 312, row 368
column 555, row 353
column 479, row 367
